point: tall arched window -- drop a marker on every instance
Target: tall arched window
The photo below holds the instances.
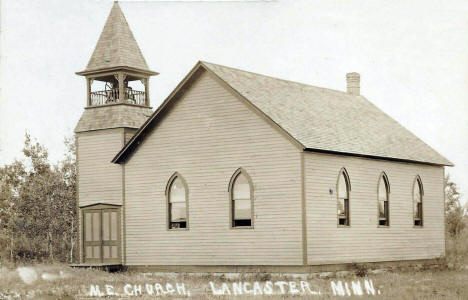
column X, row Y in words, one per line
column 383, row 192
column 343, row 188
column 241, row 199
column 418, row 193
column 177, row 200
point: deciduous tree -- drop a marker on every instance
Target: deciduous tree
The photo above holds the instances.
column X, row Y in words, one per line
column 454, row 211
column 38, row 205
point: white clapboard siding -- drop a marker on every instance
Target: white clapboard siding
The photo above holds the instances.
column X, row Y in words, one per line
column 129, row 132
column 364, row 241
column 100, row 181
column 206, row 137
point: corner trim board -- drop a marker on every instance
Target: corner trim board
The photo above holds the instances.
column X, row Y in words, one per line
column 123, row 253
column 78, row 211
column 303, row 211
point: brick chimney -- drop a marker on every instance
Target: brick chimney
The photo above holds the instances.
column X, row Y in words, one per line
column 352, row 83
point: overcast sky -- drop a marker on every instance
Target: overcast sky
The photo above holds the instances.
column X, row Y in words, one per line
column 412, row 57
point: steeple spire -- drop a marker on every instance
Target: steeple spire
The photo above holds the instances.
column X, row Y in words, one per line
column 116, row 46
column 117, row 61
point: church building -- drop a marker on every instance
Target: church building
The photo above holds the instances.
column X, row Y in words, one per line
column 237, row 171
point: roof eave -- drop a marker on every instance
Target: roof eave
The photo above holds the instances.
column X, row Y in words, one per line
column 116, row 68
column 122, row 155
column 404, row 160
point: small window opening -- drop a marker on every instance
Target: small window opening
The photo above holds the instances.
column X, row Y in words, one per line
column 177, row 204
column 383, row 195
column 241, row 200
column 343, row 199
column 418, row 202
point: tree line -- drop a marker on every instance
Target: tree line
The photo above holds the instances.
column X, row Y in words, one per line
column 38, row 209
column 38, row 206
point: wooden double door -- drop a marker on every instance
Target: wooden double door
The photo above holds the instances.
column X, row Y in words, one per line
column 101, row 235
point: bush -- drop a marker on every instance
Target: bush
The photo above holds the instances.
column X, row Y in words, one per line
column 361, row 270
column 456, row 250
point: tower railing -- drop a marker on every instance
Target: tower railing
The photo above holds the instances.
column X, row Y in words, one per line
column 112, row 96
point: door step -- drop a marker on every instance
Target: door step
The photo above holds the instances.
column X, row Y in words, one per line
column 103, row 267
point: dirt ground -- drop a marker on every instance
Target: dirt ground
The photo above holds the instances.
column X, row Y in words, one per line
column 63, row 282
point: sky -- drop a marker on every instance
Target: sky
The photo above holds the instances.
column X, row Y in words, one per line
column 412, row 57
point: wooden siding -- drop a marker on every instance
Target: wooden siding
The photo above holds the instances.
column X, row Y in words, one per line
column 100, row 181
column 364, row 241
column 129, row 132
column 206, row 136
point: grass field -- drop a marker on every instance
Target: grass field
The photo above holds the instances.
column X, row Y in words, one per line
column 62, row 282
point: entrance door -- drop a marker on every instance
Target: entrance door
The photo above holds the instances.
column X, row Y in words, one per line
column 101, row 235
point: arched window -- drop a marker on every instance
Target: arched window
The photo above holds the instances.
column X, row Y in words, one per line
column 343, row 188
column 383, row 191
column 177, row 200
column 418, row 193
column 241, row 199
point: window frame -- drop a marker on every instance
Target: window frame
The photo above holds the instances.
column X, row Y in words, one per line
column 238, row 172
column 383, row 178
column 346, row 205
column 418, row 181
column 168, row 199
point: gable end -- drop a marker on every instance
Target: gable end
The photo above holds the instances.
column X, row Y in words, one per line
column 180, row 89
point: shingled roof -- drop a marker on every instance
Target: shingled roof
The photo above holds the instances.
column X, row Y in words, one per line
column 116, row 46
column 113, row 116
column 319, row 119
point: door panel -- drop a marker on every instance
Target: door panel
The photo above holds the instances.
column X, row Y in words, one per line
column 114, row 225
column 96, row 226
column 105, row 227
column 110, row 235
column 101, row 235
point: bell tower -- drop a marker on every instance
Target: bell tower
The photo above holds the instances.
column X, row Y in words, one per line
column 117, row 104
column 116, row 63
